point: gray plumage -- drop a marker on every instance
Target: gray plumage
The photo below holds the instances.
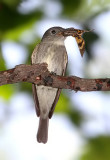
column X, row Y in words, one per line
column 52, row 51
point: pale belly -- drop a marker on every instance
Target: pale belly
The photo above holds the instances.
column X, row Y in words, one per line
column 46, row 95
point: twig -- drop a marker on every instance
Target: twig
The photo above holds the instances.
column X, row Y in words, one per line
column 39, row 74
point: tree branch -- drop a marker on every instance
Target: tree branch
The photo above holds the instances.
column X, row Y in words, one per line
column 39, row 74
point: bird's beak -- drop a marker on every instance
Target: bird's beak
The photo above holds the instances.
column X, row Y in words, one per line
column 73, row 32
column 70, row 32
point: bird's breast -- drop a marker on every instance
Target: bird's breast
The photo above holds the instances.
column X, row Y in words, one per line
column 54, row 56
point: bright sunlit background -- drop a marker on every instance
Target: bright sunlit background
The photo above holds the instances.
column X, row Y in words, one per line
column 80, row 126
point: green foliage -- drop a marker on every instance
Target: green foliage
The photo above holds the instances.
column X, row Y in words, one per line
column 6, row 91
column 62, row 105
column 11, row 18
column 65, row 107
column 12, row 3
column 90, row 38
column 2, row 63
column 98, row 149
column 71, row 6
column 27, row 87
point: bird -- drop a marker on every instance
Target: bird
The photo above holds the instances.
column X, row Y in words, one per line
column 50, row 50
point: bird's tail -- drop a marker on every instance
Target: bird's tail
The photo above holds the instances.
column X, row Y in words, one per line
column 42, row 134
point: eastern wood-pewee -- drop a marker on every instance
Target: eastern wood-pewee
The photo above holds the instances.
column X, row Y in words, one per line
column 52, row 51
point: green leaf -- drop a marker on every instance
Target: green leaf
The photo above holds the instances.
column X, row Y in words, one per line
column 24, row 86
column 70, row 7
column 2, row 63
column 6, row 91
column 11, row 18
column 98, row 148
column 64, row 106
column 12, row 3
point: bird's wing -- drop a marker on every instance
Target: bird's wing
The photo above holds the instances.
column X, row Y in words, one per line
column 33, row 58
column 59, row 90
column 34, row 53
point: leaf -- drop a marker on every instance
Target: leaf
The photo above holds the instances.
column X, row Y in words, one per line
column 70, row 7
column 98, row 148
column 2, row 63
column 64, row 106
column 11, row 18
column 6, row 91
column 12, row 3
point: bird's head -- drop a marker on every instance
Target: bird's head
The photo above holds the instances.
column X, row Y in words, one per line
column 58, row 34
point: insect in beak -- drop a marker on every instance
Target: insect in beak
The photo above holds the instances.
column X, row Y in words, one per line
column 77, row 33
column 80, row 41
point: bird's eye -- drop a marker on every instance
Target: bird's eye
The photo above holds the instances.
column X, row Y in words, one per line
column 53, row 32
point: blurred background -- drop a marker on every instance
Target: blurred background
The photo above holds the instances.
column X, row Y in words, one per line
column 80, row 126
